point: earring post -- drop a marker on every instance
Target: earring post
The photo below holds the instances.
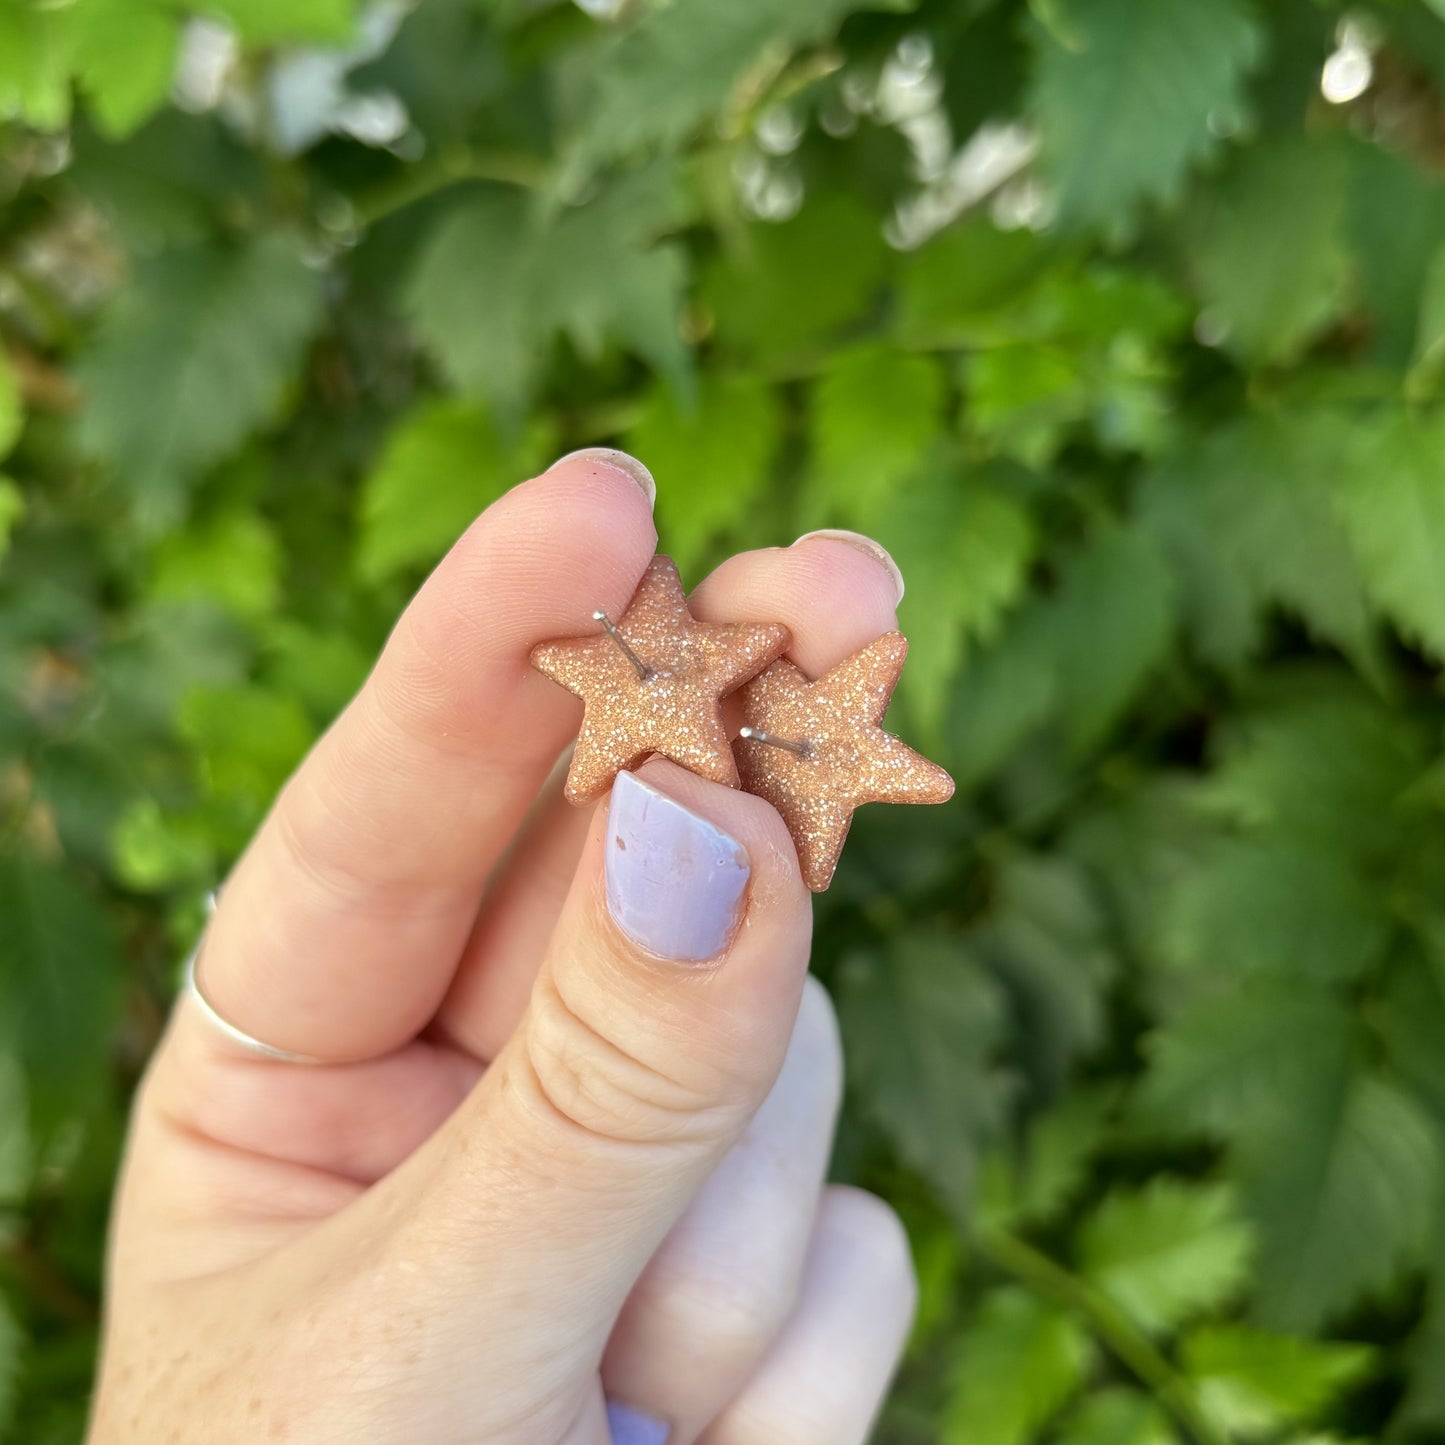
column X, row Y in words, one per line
column 610, row 628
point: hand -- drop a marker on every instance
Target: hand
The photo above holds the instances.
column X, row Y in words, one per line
column 566, row 1138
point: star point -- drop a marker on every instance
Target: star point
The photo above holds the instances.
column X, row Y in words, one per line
column 676, row 708
column 842, row 759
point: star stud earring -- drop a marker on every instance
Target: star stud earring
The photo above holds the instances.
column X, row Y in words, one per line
column 653, row 682
column 817, row 751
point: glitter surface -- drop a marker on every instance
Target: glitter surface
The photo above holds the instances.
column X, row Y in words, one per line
column 676, row 710
column 848, row 759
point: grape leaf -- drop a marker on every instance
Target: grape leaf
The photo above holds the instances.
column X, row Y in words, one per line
column 1238, row 1060
column 1247, row 517
column 1392, row 504
column 12, row 1352
column 192, row 358
column 1251, row 1383
column 1322, row 765
column 125, row 58
column 965, row 543
column 281, row 22
column 37, row 44
column 12, row 408
column 786, row 286
column 1344, row 1194
column 1279, row 907
column 1005, row 691
column 1271, row 257
column 1045, row 935
column 442, row 465
column 1117, row 1416
column 498, row 278
column 713, row 461
column 1113, row 619
column 1167, row 1252
column 1017, row 1364
column 921, row 1026
column 233, row 560
column 60, row 977
column 1031, row 1182
column 873, row 416
column 1126, row 105
column 1424, row 1405
column 676, row 66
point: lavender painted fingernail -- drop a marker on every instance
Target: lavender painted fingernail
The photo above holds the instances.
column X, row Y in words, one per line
column 675, row 882
column 632, row 1427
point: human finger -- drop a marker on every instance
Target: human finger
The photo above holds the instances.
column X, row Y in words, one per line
column 339, row 929
column 657, row 1025
column 712, row 1299
column 827, row 1374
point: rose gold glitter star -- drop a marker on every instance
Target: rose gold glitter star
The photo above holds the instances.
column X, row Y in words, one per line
column 675, row 709
column 816, row 750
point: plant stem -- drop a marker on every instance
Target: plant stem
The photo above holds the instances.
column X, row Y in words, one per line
column 1130, row 1344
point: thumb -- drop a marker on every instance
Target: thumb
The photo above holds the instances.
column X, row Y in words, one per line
column 659, row 1021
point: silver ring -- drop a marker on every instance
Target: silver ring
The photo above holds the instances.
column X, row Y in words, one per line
column 252, row 1045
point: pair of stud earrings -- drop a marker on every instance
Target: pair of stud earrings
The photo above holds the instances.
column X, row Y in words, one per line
column 654, row 682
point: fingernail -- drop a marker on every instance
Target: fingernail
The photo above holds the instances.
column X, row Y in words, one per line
column 631, row 1427
column 619, row 462
column 875, row 550
column 675, row 882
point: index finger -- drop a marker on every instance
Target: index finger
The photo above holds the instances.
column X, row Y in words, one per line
column 339, row 929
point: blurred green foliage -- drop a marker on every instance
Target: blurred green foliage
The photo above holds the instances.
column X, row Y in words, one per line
column 1123, row 336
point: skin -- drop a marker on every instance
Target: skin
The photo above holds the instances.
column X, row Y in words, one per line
column 540, row 1167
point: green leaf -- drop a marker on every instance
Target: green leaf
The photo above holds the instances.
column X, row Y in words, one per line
column 12, row 1353
column 125, row 59
column 1167, row 1252
column 1236, row 1062
column 1113, row 621
column 1018, row 1364
column 1338, row 1169
column 12, row 510
column 1271, row 257
column 921, row 1026
column 193, row 357
column 1117, row 1416
column 1247, row 517
column 60, row 976
column 37, row 44
column 677, row 65
column 784, row 287
column 498, row 279
column 246, row 740
column 1005, row 691
column 1424, row 1405
column 955, row 287
column 1251, row 1383
column 1280, row 907
column 1126, row 106
column 1392, row 504
column 713, row 460
column 156, row 848
column 873, row 416
column 232, row 559
column 1322, row 765
column 285, row 22
column 443, row 464
column 1345, row 1194
column 963, row 539
column 16, row 1155
column 12, row 408
column 1030, row 1183
column 1046, row 937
